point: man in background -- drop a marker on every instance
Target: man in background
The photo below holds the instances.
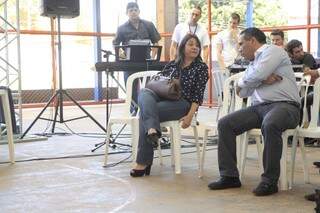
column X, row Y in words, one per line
column 135, row 29
column 298, row 56
column 191, row 27
column 227, row 43
column 277, row 38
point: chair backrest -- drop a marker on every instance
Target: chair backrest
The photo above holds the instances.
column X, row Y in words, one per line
column 303, row 82
column 315, row 105
column 229, row 96
column 143, row 77
column 218, row 80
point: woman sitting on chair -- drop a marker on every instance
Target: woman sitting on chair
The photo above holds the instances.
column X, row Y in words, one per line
column 153, row 109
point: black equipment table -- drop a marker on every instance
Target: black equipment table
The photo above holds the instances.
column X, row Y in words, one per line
column 236, row 68
column 297, row 67
column 129, row 66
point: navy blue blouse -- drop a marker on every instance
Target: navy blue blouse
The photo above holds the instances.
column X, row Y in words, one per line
column 193, row 79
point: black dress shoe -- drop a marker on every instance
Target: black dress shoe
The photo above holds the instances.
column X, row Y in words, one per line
column 264, row 189
column 310, row 197
column 153, row 139
column 317, row 164
column 140, row 173
column 225, row 183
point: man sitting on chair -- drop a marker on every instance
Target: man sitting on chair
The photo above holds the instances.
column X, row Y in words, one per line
column 270, row 81
column 298, row 56
column 135, row 29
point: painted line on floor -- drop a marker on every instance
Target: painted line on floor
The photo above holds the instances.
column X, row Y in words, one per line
column 133, row 193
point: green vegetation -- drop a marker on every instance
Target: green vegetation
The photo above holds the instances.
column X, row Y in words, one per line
column 266, row 13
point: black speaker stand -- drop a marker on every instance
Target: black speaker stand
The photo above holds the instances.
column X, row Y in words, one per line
column 58, row 97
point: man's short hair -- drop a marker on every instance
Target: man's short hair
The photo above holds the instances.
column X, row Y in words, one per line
column 132, row 5
column 293, row 44
column 235, row 16
column 197, row 7
column 256, row 33
column 278, row 32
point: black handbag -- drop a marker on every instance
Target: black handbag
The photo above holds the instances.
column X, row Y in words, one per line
column 165, row 87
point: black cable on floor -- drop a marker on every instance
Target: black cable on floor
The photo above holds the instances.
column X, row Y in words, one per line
column 94, row 155
column 63, row 157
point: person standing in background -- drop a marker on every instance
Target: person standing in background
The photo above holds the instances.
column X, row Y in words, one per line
column 192, row 27
column 227, row 43
column 135, row 29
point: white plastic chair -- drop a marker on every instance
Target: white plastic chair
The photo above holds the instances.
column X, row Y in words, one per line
column 218, row 80
column 127, row 118
column 175, row 139
column 311, row 131
column 257, row 135
column 228, row 105
column 8, row 122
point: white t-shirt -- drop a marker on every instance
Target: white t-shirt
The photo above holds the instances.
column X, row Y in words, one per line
column 229, row 46
column 183, row 28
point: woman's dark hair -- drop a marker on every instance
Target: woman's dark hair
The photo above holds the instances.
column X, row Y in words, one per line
column 181, row 54
column 256, row 33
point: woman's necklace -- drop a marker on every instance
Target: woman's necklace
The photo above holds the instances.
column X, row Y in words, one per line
column 195, row 30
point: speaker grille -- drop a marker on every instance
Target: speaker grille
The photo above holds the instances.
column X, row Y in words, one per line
column 62, row 8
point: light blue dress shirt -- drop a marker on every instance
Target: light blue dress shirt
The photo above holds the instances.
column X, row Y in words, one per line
column 269, row 59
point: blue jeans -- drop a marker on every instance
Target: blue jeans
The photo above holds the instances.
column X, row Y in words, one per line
column 154, row 110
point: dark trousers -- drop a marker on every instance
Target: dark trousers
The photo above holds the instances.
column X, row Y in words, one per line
column 154, row 110
column 308, row 106
column 273, row 119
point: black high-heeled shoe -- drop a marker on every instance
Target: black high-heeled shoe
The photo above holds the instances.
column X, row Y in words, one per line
column 140, row 173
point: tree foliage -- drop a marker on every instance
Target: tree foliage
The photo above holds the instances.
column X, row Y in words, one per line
column 266, row 13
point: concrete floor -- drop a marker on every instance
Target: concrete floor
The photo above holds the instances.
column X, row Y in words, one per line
column 62, row 175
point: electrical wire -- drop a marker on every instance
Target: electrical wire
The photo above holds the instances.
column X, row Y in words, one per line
column 62, row 157
column 119, row 162
column 95, row 155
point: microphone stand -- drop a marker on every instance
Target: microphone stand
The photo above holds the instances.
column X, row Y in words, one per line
column 112, row 139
